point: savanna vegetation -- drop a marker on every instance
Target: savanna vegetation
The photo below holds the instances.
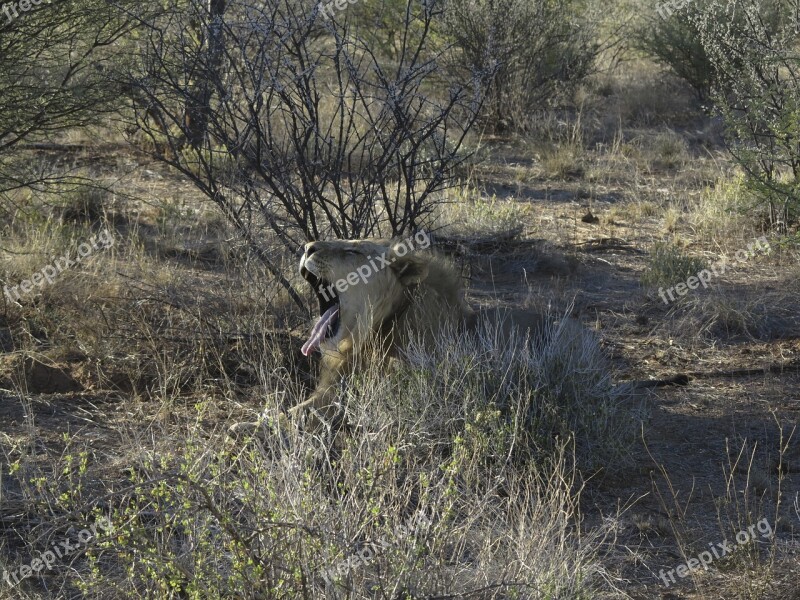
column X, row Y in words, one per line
column 161, row 167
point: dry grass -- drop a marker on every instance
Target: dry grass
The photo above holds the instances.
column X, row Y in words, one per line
column 467, row 213
column 668, row 266
column 474, row 441
column 509, row 463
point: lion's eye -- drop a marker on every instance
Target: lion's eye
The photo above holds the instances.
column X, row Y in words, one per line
column 352, row 252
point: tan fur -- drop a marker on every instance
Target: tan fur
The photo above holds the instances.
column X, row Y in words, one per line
column 418, row 295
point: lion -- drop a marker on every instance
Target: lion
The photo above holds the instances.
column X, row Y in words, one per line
column 380, row 290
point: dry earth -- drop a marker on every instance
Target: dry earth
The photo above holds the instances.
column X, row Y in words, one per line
column 710, row 451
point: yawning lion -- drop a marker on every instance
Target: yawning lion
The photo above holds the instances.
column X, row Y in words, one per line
column 384, row 291
column 389, row 292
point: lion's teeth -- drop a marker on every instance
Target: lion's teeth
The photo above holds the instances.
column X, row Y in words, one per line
column 311, row 267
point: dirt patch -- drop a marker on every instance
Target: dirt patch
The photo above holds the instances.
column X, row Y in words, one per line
column 36, row 376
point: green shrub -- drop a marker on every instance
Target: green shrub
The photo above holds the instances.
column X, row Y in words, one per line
column 539, row 49
column 672, row 38
column 667, row 266
column 740, row 57
column 752, row 45
column 678, row 37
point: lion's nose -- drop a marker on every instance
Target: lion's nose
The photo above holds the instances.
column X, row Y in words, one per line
column 310, row 248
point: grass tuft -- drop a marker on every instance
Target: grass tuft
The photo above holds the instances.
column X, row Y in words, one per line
column 667, row 265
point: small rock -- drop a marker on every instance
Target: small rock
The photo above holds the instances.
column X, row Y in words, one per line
column 589, row 218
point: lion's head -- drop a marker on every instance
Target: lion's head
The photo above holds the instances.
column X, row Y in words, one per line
column 363, row 285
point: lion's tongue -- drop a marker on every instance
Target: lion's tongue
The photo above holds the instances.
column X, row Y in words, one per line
column 319, row 330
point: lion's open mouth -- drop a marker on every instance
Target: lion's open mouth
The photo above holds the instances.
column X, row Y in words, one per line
column 328, row 324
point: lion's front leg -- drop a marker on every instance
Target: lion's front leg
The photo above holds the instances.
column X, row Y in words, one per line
column 320, row 407
column 317, row 412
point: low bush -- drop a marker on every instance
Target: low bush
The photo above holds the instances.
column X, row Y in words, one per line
column 667, row 266
column 458, row 475
column 539, row 51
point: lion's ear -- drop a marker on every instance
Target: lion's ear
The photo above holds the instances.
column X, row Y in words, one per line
column 409, row 268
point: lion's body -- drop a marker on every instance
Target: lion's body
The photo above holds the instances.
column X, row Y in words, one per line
column 416, row 297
